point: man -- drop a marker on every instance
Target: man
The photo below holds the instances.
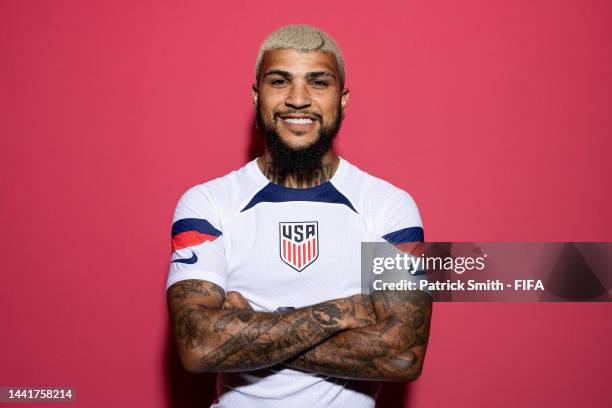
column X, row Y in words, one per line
column 264, row 284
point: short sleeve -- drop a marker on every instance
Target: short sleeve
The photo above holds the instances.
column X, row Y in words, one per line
column 399, row 223
column 398, row 220
column 197, row 240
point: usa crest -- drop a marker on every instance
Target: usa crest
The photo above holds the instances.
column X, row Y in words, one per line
column 299, row 243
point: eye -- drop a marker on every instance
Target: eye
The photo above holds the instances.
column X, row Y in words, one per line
column 320, row 84
column 277, row 82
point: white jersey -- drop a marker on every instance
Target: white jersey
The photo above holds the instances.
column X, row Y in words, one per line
column 285, row 247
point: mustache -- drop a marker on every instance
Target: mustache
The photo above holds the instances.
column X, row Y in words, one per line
column 296, row 112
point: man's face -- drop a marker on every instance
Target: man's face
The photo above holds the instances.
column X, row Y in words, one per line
column 299, row 101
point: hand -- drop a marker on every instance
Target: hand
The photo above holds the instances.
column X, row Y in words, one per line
column 234, row 300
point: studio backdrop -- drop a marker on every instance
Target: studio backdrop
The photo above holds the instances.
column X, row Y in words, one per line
column 493, row 115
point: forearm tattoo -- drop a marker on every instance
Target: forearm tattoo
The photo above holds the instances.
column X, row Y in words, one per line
column 326, row 314
column 240, row 340
column 392, row 349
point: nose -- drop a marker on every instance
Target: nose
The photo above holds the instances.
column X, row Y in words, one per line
column 298, row 97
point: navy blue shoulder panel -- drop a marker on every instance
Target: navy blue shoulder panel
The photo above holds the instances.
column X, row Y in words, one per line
column 412, row 234
column 323, row 193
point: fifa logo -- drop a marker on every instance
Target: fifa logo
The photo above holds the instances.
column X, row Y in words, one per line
column 299, row 243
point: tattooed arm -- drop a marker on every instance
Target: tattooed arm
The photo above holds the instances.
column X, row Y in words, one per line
column 214, row 339
column 393, row 349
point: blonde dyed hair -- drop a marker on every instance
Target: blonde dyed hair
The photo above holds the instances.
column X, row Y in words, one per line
column 301, row 37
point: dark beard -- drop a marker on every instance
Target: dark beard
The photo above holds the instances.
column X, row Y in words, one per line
column 287, row 159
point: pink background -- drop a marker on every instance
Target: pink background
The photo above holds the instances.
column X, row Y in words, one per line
column 494, row 115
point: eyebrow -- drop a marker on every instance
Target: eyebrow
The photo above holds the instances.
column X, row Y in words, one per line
column 309, row 75
column 316, row 74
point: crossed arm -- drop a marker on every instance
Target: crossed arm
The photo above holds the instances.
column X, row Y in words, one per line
column 393, row 349
column 382, row 337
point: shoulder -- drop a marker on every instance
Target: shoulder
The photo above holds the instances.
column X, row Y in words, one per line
column 371, row 193
column 389, row 210
column 224, row 195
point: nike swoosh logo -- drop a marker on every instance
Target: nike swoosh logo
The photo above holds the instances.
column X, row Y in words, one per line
column 192, row 260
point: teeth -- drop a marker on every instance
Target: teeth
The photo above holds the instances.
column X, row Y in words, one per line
column 304, row 121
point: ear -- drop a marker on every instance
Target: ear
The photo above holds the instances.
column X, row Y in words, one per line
column 254, row 93
column 344, row 98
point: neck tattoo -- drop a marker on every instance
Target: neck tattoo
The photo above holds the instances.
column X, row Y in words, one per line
column 298, row 179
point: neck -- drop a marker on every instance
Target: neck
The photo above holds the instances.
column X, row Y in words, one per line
column 299, row 179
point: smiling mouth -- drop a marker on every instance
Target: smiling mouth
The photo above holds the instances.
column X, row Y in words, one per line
column 298, row 121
